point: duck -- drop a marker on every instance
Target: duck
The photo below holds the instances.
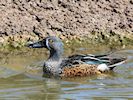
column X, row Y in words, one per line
column 77, row 65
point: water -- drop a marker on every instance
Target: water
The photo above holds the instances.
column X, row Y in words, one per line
column 17, row 84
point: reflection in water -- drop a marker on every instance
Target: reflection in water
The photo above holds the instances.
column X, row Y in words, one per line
column 23, row 87
column 18, row 83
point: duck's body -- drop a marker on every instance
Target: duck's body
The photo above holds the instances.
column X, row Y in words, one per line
column 76, row 65
column 80, row 70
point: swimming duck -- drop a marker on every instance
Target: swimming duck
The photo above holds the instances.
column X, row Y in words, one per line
column 75, row 65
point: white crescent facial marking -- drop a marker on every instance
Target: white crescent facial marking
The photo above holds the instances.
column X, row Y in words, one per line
column 47, row 43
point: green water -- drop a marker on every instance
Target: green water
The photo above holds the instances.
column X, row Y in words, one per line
column 17, row 84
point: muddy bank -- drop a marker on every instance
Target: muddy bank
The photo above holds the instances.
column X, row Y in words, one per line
column 94, row 20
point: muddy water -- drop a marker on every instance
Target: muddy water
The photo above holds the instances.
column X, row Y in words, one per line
column 17, row 84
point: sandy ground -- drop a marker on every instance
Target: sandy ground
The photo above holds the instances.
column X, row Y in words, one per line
column 25, row 20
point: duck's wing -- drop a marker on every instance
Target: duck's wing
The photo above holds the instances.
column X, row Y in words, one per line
column 111, row 62
column 83, row 59
column 90, row 58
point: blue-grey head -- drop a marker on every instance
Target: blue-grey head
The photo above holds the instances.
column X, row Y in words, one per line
column 53, row 44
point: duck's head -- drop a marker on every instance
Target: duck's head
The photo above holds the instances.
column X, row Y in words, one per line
column 52, row 43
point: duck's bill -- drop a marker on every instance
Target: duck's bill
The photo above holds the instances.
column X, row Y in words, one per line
column 39, row 44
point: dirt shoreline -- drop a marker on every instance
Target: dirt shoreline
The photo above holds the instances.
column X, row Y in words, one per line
column 104, row 21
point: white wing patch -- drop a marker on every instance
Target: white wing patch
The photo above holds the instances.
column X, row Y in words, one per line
column 102, row 67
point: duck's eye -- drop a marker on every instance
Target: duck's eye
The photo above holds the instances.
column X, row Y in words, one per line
column 51, row 41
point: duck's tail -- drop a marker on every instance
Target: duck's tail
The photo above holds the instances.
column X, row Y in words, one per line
column 115, row 62
column 107, row 62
